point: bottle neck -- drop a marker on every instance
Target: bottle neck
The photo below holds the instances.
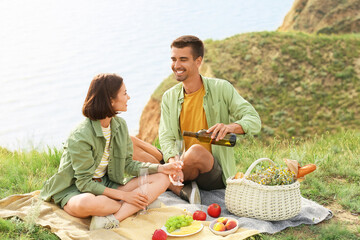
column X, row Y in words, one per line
column 189, row 134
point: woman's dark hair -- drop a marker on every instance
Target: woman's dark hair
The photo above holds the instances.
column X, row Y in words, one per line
column 197, row 46
column 103, row 88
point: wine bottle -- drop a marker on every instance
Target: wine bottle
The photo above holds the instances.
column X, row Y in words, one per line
column 229, row 140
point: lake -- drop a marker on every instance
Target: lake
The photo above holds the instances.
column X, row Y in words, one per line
column 50, row 51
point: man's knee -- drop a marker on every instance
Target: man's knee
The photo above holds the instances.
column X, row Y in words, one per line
column 199, row 157
column 196, row 149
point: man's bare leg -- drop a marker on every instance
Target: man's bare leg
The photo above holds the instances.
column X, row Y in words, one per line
column 197, row 160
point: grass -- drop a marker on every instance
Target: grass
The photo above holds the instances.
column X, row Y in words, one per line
column 15, row 228
column 23, row 172
column 299, row 83
column 336, row 180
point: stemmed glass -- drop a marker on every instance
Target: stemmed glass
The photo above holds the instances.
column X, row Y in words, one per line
column 143, row 184
column 180, row 148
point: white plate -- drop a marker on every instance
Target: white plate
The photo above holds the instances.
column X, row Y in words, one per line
column 227, row 232
column 184, row 235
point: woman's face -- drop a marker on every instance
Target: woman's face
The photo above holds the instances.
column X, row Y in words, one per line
column 119, row 104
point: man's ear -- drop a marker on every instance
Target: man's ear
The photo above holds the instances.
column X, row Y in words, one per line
column 198, row 61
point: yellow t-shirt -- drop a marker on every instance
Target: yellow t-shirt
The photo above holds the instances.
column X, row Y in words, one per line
column 193, row 118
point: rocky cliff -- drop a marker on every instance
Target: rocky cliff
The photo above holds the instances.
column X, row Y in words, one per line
column 319, row 16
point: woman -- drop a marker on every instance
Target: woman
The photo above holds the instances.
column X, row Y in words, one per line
column 145, row 152
column 91, row 177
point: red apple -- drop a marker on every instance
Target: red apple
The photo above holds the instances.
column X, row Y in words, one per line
column 199, row 215
column 214, row 210
column 230, row 224
column 159, row 234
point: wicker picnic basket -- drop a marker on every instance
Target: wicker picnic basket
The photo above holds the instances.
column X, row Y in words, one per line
column 246, row 198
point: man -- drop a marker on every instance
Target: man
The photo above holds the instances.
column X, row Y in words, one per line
column 196, row 103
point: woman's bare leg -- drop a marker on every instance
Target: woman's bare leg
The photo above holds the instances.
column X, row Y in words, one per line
column 145, row 152
column 87, row 204
column 158, row 183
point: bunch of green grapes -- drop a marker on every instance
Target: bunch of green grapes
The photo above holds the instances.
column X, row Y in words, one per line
column 176, row 222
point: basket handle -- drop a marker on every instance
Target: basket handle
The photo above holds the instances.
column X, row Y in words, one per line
column 254, row 164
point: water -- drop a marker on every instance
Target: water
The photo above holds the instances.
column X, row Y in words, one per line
column 50, row 50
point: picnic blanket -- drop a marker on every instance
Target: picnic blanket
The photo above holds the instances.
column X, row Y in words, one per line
column 142, row 226
column 68, row 227
column 310, row 213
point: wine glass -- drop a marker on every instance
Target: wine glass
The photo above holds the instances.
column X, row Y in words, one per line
column 180, row 149
column 143, row 184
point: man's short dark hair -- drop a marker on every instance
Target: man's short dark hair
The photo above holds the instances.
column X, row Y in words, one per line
column 103, row 88
column 194, row 42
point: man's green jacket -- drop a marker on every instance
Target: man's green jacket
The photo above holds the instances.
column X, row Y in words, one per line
column 222, row 104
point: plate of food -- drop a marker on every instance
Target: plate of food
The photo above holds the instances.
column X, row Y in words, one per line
column 192, row 229
column 224, row 226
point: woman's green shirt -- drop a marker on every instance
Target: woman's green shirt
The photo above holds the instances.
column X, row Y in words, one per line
column 82, row 155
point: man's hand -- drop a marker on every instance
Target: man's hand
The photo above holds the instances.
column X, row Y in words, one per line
column 222, row 129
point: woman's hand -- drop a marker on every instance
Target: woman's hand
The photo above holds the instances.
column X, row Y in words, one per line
column 171, row 168
column 137, row 199
column 173, row 178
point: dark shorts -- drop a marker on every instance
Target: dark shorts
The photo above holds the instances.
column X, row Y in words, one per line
column 211, row 180
column 64, row 196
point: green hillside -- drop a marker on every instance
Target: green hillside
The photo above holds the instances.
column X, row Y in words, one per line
column 301, row 84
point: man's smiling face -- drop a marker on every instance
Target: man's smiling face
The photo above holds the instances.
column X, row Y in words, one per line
column 183, row 64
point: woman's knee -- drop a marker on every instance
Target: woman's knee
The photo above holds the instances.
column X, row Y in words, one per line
column 80, row 204
column 89, row 202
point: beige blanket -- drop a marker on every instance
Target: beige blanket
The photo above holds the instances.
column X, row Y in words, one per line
column 68, row 227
